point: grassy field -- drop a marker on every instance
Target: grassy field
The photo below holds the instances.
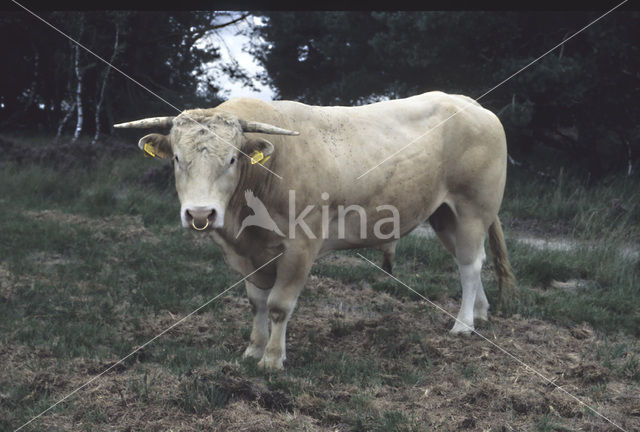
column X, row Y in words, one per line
column 93, row 264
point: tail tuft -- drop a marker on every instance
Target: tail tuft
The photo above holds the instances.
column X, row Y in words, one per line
column 506, row 280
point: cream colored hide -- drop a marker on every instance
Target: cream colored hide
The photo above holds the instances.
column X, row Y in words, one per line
column 453, row 175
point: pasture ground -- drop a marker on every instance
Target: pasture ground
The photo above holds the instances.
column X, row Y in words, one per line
column 93, row 264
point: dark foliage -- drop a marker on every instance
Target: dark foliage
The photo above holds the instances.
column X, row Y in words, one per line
column 578, row 105
column 155, row 48
column 160, row 177
column 62, row 155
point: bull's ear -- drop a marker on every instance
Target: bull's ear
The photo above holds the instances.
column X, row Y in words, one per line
column 257, row 148
column 156, row 145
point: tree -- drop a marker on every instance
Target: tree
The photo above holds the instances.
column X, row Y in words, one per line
column 105, row 79
column 548, row 110
column 52, row 79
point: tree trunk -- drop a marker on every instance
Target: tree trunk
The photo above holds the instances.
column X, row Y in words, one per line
column 104, row 85
column 78, row 74
column 64, row 121
column 78, row 103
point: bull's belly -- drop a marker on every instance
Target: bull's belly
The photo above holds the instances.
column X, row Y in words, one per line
column 353, row 239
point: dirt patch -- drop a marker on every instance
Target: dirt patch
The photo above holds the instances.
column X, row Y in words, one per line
column 466, row 374
column 341, row 260
column 462, row 383
column 229, row 381
column 244, row 416
column 402, row 368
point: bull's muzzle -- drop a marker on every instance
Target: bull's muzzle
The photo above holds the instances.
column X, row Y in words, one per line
column 200, row 218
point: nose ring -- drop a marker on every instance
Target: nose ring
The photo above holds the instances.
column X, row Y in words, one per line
column 193, row 224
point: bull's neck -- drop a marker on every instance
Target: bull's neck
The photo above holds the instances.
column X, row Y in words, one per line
column 254, row 178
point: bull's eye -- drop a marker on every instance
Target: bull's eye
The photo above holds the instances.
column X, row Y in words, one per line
column 233, row 159
column 175, row 159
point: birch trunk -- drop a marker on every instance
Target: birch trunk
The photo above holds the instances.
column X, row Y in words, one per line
column 103, row 87
column 64, row 121
column 78, row 103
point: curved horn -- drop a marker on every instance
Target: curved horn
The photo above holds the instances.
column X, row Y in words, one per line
column 252, row 126
column 150, row 122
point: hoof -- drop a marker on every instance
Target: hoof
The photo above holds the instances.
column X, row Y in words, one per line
column 481, row 318
column 481, row 315
column 253, row 352
column 268, row 364
column 461, row 329
column 387, row 267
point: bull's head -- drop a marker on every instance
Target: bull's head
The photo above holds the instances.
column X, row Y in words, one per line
column 205, row 148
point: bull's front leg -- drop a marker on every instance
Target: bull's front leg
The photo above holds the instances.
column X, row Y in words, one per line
column 293, row 269
column 260, row 331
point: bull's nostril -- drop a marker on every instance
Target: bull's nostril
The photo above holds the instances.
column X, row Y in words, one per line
column 200, row 218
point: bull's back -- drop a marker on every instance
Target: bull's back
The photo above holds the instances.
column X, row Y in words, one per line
column 419, row 141
column 381, row 128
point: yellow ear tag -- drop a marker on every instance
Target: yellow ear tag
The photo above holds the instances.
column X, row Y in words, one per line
column 148, row 149
column 256, row 157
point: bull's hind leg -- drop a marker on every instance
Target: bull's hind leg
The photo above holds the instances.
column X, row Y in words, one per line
column 464, row 238
column 388, row 255
column 260, row 331
column 470, row 256
column 470, row 269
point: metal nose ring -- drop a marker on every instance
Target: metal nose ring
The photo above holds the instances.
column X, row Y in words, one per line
column 193, row 224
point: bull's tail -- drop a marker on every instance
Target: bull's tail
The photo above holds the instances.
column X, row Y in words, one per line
column 506, row 280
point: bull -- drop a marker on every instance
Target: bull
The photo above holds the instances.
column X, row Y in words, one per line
column 448, row 168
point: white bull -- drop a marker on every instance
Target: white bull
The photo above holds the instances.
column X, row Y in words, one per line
column 453, row 175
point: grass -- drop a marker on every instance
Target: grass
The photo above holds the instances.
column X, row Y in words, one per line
column 585, row 210
column 607, row 296
column 619, row 358
column 547, row 423
column 93, row 264
column 201, row 395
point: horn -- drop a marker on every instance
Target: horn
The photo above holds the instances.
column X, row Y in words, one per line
column 252, row 126
column 150, row 122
